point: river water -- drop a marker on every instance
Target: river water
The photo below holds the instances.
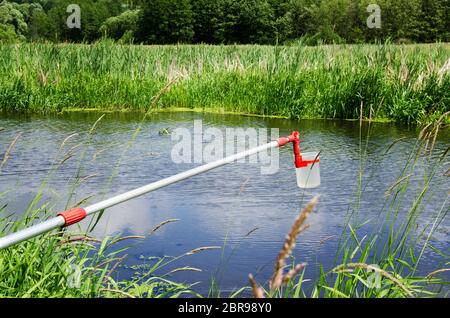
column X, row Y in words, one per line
column 237, row 208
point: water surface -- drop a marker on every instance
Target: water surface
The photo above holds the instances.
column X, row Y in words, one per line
column 221, row 207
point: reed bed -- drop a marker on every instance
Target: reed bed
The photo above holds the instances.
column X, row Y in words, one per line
column 376, row 82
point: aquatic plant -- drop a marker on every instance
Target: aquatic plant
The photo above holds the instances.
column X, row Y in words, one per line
column 406, row 83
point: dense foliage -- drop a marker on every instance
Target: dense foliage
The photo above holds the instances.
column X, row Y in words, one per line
column 226, row 21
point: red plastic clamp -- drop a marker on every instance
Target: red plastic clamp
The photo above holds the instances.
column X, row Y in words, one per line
column 294, row 137
column 73, row 216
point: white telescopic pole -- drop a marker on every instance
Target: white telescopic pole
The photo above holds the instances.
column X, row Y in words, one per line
column 178, row 177
column 69, row 219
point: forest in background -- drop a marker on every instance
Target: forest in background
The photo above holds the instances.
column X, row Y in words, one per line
column 309, row 22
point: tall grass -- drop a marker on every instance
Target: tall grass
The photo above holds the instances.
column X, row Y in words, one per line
column 68, row 264
column 401, row 83
column 384, row 261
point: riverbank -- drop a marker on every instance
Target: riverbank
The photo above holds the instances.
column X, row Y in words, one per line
column 377, row 82
column 215, row 111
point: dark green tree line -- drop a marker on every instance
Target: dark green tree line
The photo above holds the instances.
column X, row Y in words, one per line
column 226, row 21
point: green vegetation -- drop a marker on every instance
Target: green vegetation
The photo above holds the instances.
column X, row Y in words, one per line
column 45, row 20
column 401, row 83
column 226, row 21
column 62, row 265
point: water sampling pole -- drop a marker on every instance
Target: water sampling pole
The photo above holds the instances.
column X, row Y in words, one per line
column 72, row 216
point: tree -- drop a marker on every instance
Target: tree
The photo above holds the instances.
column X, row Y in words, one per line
column 294, row 19
column 93, row 14
column 123, row 26
column 246, row 21
column 8, row 34
column 446, row 24
column 12, row 22
column 166, row 21
column 206, row 15
column 432, row 20
column 226, row 21
column 40, row 27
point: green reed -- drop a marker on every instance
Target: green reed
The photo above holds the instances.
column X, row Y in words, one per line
column 379, row 82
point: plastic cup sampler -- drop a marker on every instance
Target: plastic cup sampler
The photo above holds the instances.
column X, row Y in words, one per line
column 309, row 176
column 306, row 166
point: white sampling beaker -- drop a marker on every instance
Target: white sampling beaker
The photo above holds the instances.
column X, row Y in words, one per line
column 309, row 176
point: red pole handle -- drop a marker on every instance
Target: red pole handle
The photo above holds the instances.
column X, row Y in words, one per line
column 298, row 160
column 73, row 216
